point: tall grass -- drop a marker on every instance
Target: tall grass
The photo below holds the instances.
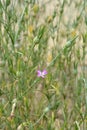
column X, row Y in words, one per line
column 38, row 35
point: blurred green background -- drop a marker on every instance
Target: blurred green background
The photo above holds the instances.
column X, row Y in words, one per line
column 37, row 35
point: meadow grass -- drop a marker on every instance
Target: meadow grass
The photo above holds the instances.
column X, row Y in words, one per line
column 43, row 35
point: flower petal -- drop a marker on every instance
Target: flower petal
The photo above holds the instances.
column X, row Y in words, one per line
column 44, row 72
column 38, row 73
column 41, row 73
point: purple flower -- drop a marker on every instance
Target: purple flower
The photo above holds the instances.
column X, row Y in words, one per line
column 41, row 73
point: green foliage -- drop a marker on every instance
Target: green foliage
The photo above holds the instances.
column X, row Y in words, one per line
column 32, row 39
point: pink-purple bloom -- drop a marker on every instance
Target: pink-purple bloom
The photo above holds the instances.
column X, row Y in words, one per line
column 41, row 73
